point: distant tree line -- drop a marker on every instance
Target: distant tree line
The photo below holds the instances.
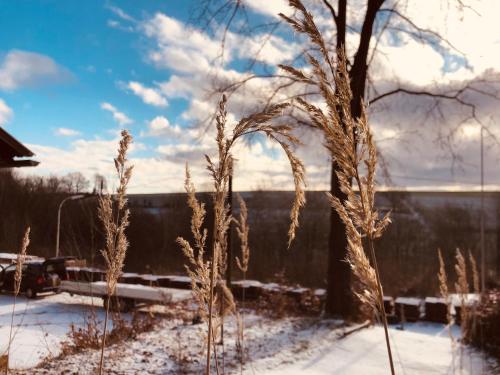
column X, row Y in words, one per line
column 407, row 252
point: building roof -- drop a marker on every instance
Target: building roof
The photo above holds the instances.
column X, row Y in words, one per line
column 11, row 148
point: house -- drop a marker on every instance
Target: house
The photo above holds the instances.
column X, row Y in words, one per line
column 14, row 154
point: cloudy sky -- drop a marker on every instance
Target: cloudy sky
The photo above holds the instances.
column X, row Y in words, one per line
column 73, row 73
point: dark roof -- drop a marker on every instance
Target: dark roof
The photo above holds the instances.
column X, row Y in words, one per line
column 11, row 148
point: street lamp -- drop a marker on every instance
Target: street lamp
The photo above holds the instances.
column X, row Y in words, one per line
column 483, row 253
column 70, row 198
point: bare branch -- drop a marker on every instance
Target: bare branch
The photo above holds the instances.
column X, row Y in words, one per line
column 420, row 32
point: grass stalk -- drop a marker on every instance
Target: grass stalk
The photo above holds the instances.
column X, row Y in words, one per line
column 207, row 276
column 114, row 216
column 103, row 343
column 352, row 148
column 210, row 313
column 18, row 276
column 381, row 303
column 443, row 290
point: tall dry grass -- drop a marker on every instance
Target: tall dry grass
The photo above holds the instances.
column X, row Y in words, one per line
column 462, row 289
column 444, row 292
column 206, row 272
column 243, row 229
column 18, row 276
column 477, row 290
column 350, row 143
column 114, row 216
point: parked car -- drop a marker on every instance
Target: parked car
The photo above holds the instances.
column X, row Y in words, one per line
column 58, row 265
column 37, row 277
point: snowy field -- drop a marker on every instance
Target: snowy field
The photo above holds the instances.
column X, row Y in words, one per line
column 277, row 347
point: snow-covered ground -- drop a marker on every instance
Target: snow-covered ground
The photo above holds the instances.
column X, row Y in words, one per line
column 276, row 347
column 40, row 325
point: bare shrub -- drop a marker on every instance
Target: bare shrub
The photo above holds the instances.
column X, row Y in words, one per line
column 89, row 336
column 487, row 313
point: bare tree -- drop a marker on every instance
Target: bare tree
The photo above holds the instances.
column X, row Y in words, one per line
column 100, row 184
column 76, row 182
column 380, row 17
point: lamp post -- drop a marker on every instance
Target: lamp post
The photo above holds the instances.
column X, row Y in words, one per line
column 483, row 253
column 70, row 198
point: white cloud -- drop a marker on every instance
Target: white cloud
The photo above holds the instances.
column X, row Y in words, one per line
column 21, row 69
column 118, row 25
column 5, row 112
column 67, row 132
column 120, row 13
column 160, row 126
column 267, row 7
column 191, row 57
column 148, row 95
column 178, row 39
column 120, row 117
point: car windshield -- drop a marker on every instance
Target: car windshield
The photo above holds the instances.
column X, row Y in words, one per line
column 55, row 267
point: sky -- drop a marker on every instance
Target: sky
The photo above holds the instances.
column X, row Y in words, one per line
column 73, row 74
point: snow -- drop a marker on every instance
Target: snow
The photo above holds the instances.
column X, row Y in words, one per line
column 470, row 299
column 151, row 277
column 320, row 292
column 130, row 274
column 180, row 278
column 409, row 301
column 434, row 300
column 135, row 291
column 287, row 346
column 247, row 283
column 365, row 353
column 41, row 325
column 89, row 269
column 295, row 345
column 9, row 258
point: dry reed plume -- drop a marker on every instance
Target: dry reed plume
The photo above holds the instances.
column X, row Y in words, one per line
column 475, row 273
column 242, row 229
column 477, row 290
column 352, row 148
column 114, row 215
column 206, row 275
column 443, row 290
column 18, row 276
column 462, row 288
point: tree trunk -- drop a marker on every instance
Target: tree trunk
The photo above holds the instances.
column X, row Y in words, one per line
column 339, row 295
column 229, row 233
column 339, row 300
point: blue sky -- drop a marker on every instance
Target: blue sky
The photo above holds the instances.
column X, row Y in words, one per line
column 95, row 59
column 73, row 73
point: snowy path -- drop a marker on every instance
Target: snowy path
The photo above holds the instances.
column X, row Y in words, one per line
column 364, row 352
